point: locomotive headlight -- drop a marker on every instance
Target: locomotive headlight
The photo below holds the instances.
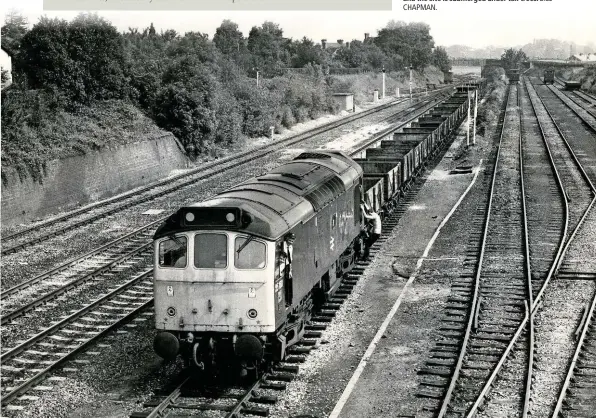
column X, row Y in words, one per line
column 230, row 217
column 189, row 216
column 171, row 311
column 252, row 313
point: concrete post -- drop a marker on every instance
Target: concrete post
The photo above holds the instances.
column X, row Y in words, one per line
column 397, row 92
column 475, row 115
column 468, row 122
column 376, row 96
column 410, row 82
column 383, row 92
column 272, row 131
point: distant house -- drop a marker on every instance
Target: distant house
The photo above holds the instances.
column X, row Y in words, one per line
column 6, row 64
column 589, row 57
column 333, row 47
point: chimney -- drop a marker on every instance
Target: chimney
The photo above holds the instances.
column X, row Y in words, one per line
column 324, row 43
column 365, row 36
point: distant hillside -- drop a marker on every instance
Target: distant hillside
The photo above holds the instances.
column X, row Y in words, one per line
column 463, row 51
column 539, row 48
column 554, row 48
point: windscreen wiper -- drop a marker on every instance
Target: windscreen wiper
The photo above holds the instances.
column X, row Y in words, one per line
column 245, row 243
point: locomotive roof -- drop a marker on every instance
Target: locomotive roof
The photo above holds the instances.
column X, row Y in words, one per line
column 280, row 199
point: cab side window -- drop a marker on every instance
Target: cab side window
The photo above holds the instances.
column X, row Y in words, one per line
column 249, row 254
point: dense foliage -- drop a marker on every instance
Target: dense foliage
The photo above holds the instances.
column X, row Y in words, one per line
column 203, row 91
column 512, row 58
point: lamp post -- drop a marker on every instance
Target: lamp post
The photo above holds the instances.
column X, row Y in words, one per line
column 410, row 82
column 257, row 70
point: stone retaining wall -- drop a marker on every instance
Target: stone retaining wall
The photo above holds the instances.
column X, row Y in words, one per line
column 79, row 180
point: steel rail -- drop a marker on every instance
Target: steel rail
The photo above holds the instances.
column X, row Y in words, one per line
column 36, row 338
column 9, row 397
column 4, row 319
column 234, row 413
column 474, row 305
column 558, row 256
column 159, row 410
column 575, row 358
column 585, row 122
column 528, row 266
column 73, row 261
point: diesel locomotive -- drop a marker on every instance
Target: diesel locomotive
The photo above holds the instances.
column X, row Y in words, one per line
column 222, row 285
column 237, row 277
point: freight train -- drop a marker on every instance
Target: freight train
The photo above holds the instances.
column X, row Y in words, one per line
column 237, row 277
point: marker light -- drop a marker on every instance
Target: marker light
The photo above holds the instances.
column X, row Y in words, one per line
column 190, row 216
column 230, row 217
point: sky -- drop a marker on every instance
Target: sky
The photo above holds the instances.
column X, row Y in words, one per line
column 487, row 22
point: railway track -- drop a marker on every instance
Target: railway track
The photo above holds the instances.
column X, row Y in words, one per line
column 56, row 226
column 500, row 286
column 30, row 362
column 577, row 397
column 579, row 99
column 130, row 252
column 24, row 373
column 541, row 381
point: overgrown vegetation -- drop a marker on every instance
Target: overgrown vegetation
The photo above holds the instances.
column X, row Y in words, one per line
column 496, row 88
column 82, row 85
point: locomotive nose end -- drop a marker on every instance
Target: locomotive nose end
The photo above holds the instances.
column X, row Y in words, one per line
column 249, row 347
column 166, row 345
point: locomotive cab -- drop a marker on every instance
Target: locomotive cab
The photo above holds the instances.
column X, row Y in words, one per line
column 213, row 286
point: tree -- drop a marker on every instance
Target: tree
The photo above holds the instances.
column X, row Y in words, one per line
column 13, row 30
column 84, row 58
column 268, row 46
column 305, row 52
column 228, row 39
column 440, row 59
column 412, row 42
column 512, row 58
column 367, row 56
